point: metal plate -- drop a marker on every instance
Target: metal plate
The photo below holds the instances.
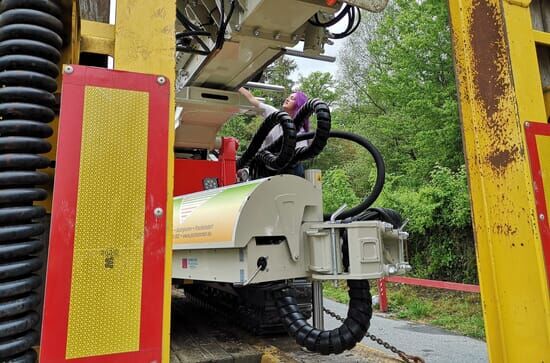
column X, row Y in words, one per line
column 538, row 146
column 105, row 281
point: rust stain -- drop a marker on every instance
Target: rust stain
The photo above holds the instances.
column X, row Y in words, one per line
column 505, row 229
column 492, row 79
column 500, row 159
column 489, row 48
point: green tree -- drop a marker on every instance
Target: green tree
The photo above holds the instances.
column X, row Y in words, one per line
column 402, row 88
column 278, row 73
column 398, row 89
column 319, row 85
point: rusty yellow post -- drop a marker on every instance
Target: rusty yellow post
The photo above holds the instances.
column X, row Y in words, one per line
column 500, row 89
column 145, row 42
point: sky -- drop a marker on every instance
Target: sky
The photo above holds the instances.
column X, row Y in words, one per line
column 305, row 66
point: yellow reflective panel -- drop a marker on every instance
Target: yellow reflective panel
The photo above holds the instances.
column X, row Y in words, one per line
column 105, row 307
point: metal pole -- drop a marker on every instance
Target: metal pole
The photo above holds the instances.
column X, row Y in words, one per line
column 318, row 321
column 297, row 53
column 265, row 86
column 334, row 240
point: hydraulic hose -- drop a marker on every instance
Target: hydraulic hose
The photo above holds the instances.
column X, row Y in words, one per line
column 380, row 171
column 271, row 159
column 333, row 341
column 320, row 136
column 30, row 44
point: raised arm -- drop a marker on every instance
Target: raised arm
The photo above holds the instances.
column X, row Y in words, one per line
column 249, row 96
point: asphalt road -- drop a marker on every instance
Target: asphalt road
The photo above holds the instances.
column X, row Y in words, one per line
column 433, row 344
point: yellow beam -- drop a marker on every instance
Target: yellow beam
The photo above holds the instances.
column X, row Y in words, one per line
column 541, row 37
column 499, row 89
column 96, row 37
column 145, row 42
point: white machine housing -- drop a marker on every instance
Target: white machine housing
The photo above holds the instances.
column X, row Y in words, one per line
column 221, row 235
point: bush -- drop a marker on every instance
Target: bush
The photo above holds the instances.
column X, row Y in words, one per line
column 441, row 244
column 337, row 190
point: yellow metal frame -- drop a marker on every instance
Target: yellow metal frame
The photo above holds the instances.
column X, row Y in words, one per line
column 96, row 37
column 151, row 49
column 500, row 89
column 142, row 40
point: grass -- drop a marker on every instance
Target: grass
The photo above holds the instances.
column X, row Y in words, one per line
column 459, row 312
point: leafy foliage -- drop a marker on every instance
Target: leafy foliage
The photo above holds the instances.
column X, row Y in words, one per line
column 319, row 85
column 278, row 73
column 337, row 190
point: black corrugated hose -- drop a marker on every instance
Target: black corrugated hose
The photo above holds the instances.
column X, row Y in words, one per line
column 272, row 160
column 320, row 136
column 261, row 160
column 356, row 211
column 333, row 341
column 30, row 43
column 258, row 168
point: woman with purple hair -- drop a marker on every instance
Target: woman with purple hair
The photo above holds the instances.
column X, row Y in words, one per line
column 291, row 105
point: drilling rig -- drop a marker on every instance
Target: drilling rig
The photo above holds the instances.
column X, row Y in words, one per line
column 119, row 175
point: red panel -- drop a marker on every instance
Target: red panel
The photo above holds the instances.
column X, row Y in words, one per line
column 58, row 279
column 189, row 174
column 532, row 129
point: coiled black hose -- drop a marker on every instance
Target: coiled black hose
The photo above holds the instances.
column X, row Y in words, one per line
column 380, row 171
column 272, row 160
column 30, row 43
column 320, row 136
column 333, row 341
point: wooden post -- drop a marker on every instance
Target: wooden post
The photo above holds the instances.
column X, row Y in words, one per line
column 96, row 10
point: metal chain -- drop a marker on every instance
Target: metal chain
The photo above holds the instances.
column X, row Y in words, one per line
column 407, row 358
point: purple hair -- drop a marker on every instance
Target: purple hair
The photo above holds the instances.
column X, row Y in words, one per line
column 300, row 99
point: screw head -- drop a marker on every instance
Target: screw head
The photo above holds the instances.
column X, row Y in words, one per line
column 256, row 32
column 68, row 69
column 277, row 36
column 158, row 212
column 161, row 80
column 541, row 217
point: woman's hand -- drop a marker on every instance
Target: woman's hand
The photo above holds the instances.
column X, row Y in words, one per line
column 249, row 96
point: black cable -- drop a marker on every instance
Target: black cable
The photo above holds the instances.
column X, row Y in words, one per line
column 192, row 33
column 271, row 159
column 321, row 134
column 352, row 25
column 191, row 50
column 333, row 21
column 220, row 39
column 380, row 214
column 380, row 171
column 190, row 27
column 186, row 22
column 261, row 161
